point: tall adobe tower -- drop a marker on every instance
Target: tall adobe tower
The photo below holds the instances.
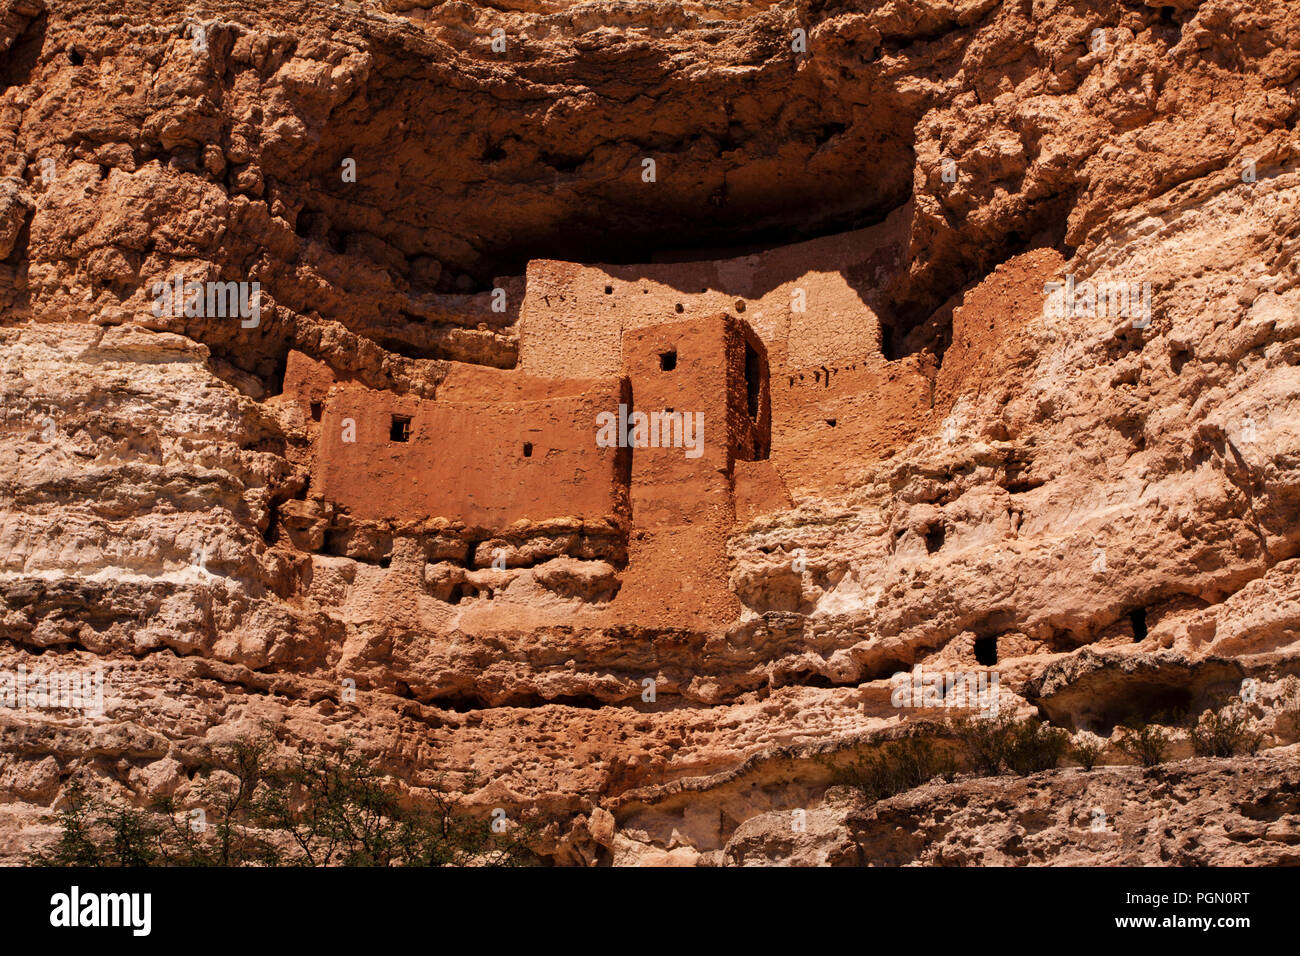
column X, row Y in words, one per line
column 683, row 507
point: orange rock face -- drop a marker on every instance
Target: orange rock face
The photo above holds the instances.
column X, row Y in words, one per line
column 628, row 408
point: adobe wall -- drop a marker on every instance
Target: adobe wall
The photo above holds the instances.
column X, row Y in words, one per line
column 307, row 381
column 749, row 395
column 830, row 420
column 682, row 508
column 467, row 461
column 573, row 316
column 667, row 486
column 578, row 320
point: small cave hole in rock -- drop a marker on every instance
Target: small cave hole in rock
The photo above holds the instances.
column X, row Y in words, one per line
column 400, row 430
column 1138, row 619
column 986, row 651
column 528, row 449
column 75, row 58
column 316, row 409
column 831, row 422
column 668, row 360
column 609, row 290
column 934, row 539
column 679, row 307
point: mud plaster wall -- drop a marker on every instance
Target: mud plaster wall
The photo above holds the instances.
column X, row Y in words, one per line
column 749, row 398
column 486, row 464
column 826, row 363
column 573, row 316
column 668, row 488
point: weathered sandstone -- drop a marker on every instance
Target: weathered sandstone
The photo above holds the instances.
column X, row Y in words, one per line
column 908, row 457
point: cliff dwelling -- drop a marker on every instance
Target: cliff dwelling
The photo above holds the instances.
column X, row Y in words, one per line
column 651, row 433
column 499, row 478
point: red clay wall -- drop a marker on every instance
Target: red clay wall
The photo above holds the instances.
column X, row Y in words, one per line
column 750, row 426
column 466, row 461
column 668, row 488
column 306, row 380
column 682, row 508
column 876, row 408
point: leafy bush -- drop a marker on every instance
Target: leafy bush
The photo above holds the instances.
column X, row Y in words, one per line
column 322, row 810
column 1087, row 749
column 1225, row 732
column 985, row 741
column 896, row 767
column 1022, row 746
column 1148, row 744
column 1033, row 746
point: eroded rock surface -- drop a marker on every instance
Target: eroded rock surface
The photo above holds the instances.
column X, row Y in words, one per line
column 909, row 456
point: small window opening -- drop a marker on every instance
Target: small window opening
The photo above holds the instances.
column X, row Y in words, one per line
column 609, row 290
column 75, row 58
column 400, row 429
column 986, row 651
column 528, row 449
column 315, row 411
column 1138, row 619
column 831, row 422
column 668, row 360
column 680, row 308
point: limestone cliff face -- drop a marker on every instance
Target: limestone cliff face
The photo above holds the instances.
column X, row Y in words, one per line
column 915, row 453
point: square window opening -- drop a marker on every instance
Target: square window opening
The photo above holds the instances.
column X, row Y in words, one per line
column 400, row 430
column 668, row 360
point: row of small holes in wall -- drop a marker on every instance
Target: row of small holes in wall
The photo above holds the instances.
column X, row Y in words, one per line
column 400, row 430
column 817, row 376
column 679, row 308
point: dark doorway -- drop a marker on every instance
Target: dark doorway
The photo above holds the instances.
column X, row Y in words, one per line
column 400, row 430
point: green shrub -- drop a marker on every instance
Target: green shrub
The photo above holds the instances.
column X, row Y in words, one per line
column 985, row 741
column 1148, row 744
column 322, row 810
column 896, row 767
column 1033, row 746
column 1225, row 732
column 1087, row 750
